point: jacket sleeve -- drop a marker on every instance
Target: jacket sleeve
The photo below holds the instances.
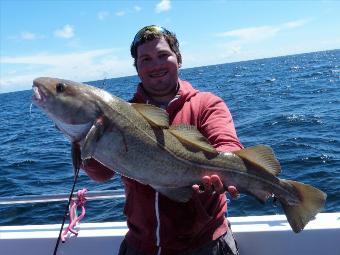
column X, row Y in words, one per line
column 97, row 171
column 216, row 123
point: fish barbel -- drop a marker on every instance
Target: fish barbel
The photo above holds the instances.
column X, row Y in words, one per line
column 136, row 141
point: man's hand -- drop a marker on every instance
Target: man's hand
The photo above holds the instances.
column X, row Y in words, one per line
column 213, row 183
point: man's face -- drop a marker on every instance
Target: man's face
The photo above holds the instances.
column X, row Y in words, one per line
column 157, row 67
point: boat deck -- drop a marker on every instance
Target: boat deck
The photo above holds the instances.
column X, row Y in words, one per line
column 256, row 235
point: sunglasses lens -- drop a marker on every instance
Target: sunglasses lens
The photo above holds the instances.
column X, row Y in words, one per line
column 152, row 29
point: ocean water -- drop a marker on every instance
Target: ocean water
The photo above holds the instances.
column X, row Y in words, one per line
column 291, row 103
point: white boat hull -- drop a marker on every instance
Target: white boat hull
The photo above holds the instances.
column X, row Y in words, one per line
column 256, row 235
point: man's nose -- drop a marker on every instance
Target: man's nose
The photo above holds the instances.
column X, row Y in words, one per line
column 158, row 61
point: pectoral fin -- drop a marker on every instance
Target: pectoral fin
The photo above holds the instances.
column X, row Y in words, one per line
column 92, row 137
column 154, row 115
column 190, row 136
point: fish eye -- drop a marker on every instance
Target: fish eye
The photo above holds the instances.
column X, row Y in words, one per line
column 60, row 87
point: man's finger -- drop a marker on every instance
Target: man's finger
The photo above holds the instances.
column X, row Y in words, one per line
column 206, row 181
column 217, row 184
column 233, row 192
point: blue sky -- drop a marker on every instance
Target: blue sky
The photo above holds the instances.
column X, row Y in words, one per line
column 90, row 40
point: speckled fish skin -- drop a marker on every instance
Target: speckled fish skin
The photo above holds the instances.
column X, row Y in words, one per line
column 136, row 141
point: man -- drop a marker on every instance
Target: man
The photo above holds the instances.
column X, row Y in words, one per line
column 158, row 225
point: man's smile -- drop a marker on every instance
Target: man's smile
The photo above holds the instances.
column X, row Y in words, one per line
column 157, row 74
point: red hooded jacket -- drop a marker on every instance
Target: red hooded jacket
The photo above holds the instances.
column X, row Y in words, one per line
column 158, row 225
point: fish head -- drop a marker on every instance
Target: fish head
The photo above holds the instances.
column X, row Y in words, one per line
column 72, row 106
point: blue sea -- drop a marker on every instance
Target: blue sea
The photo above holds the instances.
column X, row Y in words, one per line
column 291, row 103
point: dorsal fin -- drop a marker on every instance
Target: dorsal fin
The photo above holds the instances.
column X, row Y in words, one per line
column 189, row 135
column 261, row 156
column 154, row 115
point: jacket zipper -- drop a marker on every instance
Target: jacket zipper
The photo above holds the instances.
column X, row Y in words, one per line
column 158, row 239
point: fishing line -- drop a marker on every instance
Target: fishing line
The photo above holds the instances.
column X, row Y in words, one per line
column 31, row 109
column 66, row 210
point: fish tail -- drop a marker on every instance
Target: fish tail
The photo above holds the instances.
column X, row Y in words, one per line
column 311, row 202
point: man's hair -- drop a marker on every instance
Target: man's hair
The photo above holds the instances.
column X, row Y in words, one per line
column 149, row 33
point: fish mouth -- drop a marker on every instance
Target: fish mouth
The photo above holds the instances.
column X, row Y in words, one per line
column 39, row 97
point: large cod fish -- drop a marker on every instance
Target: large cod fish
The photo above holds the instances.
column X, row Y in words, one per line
column 136, row 141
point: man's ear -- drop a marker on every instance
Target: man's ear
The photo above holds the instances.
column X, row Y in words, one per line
column 135, row 65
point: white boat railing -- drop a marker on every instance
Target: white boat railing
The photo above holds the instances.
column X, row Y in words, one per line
column 256, row 235
column 90, row 195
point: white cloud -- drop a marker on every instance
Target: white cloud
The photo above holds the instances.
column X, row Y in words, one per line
column 66, row 32
column 243, row 44
column 20, row 82
column 258, row 34
column 30, row 36
column 137, row 8
column 120, row 13
column 55, row 60
column 26, row 36
column 235, row 49
column 83, row 66
column 252, row 33
column 103, row 15
column 132, row 10
column 295, row 23
column 163, row 6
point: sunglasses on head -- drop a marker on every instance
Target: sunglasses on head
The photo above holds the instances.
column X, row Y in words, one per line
column 153, row 29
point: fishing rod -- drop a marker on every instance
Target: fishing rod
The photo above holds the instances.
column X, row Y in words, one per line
column 76, row 173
